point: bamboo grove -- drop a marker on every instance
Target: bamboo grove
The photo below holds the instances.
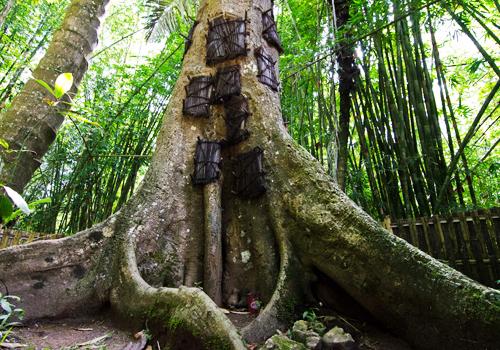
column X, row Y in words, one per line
column 408, row 154
column 26, row 32
column 372, row 89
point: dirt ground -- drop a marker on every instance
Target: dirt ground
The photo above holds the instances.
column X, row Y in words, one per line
column 375, row 339
column 240, row 318
column 76, row 333
column 99, row 332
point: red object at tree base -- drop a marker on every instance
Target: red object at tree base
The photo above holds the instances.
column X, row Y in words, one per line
column 253, row 304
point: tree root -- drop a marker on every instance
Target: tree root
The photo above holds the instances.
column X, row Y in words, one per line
column 288, row 293
column 426, row 302
column 58, row 277
column 172, row 312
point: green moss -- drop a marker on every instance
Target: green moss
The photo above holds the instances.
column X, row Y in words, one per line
column 218, row 343
column 173, row 323
column 494, row 298
column 287, row 309
column 283, row 343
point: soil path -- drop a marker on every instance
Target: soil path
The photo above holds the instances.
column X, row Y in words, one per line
column 75, row 333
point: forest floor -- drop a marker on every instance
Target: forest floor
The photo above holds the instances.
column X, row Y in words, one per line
column 100, row 332
column 86, row 332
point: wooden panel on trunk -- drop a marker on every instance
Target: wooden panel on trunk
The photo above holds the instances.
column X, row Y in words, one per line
column 198, row 96
column 267, row 71
column 237, row 112
column 226, row 39
column 249, row 174
column 189, row 39
column 227, row 84
column 206, row 162
column 269, row 30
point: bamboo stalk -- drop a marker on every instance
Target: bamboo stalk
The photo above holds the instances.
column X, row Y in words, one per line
column 472, row 37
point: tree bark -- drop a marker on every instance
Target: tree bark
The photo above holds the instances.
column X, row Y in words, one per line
column 143, row 257
column 5, row 12
column 212, row 281
column 347, row 75
column 30, row 125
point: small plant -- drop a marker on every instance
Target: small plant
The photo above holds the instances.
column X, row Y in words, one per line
column 148, row 334
column 62, row 86
column 309, row 315
column 9, row 198
column 9, row 313
column 313, row 321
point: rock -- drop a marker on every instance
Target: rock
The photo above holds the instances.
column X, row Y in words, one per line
column 299, row 331
column 337, row 339
column 281, row 342
column 313, row 341
column 269, row 344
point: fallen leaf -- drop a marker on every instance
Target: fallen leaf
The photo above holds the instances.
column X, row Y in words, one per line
column 95, row 340
column 240, row 312
column 13, row 345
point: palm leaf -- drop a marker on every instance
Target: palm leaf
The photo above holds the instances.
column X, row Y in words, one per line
column 166, row 16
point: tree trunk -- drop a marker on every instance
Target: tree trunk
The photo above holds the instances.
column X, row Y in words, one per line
column 5, row 12
column 30, row 125
column 347, row 75
column 303, row 223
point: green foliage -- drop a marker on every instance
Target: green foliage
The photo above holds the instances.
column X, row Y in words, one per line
column 4, row 144
column 165, row 17
column 390, row 38
column 103, row 150
column 6, row 208
column 11, row 198
column 62, row 85
column 23, row 40
column 310, row 315
column 93, row 171
column 9, row 315
column 18, row 214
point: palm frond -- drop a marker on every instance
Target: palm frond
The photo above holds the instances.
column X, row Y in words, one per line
column 166, row 16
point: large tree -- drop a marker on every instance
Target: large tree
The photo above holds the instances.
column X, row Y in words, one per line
column 145, row 260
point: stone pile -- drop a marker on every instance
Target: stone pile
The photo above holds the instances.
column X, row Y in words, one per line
column 311, row 335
